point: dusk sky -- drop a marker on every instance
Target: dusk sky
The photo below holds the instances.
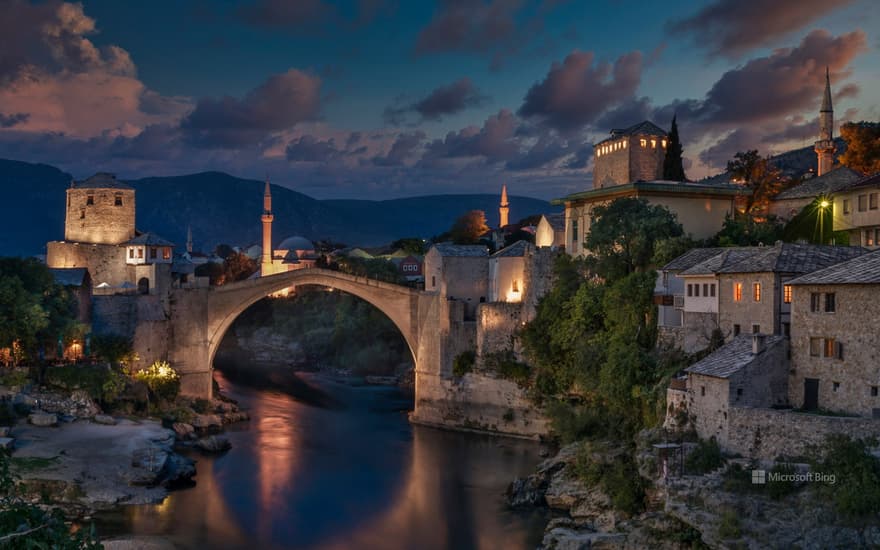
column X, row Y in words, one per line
column 382, row 99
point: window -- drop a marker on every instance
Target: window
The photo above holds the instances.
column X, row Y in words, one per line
column 846, row 206
column 690, row 290
column 696, row 290
column 433, row 281
column 814, row 301
column 663, row 143
column 624, row 144
column 737, row 292
column 703, row 390
column 835, row 386
column 117, row 200
column 786, row 294
column 872, row 201
column 153, row 253
column 653, row 144
column 574, row 233
column 643, row 142
column 829, row 348
column 131, row 252
column 665, row 278
column 876, row 234
column 830, row 304
column 166, row 253
column 786, row 329
column 868, row 237
column 140, row 252
column 873, row 391
column 739, row 392
column 756, row 329
column 756, row 291
column 712, row 290
column 705, row 289
column 815, row 347
column 90, row 200
column 863, row 203
column 736, row 330
column 82, row 214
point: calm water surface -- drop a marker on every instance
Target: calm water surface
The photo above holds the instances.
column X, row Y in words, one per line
column 354, row 476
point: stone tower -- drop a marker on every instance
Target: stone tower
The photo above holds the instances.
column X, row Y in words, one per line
column 100, row 210
column 504, row 208
column 266, row 259
column 824, row 146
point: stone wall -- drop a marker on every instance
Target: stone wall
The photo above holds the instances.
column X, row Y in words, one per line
column 106, row 263
column 853, row 327
column 697, row 330
column 480, row 402
column 646, row 163
column 612, row 168
column 748, row 312
column 767, row 433
column 103, row 221
column 539, row 279
column 670, row 337
column 497, row 324
column 114, row 314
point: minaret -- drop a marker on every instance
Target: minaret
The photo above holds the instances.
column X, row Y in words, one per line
column 504, row 208
column 266, row 260
column 825, row 145
column 189, row 240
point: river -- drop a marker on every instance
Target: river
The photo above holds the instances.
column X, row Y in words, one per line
column 354, row 475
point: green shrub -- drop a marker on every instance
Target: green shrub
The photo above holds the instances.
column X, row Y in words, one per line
column 737, row 479
column 855, row 491
column 504, row 363
column 729, row 528
column 464, row 363
column 779, row 489
column 162, row 379
column 619, row 479
column 114, row 349
column 203, row 406
column 102, row 383
column 13, row 377
column 705, row 458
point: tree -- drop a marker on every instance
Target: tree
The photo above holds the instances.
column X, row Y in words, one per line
column 742, row 230
column 469, row 227
column 623, row 235
column 673, row 169
column 759, row 176
column 862, row 146
column 410, row 245
column 238, row 267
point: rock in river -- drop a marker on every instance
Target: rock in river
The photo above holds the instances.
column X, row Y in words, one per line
column 43, row 419
column 213, row 444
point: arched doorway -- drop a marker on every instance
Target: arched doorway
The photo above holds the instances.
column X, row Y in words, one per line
column 143, row 285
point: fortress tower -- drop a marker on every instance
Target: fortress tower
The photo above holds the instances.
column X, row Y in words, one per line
column 504, row 208
column 266, row 258
column 824, row 146
column 100, row 210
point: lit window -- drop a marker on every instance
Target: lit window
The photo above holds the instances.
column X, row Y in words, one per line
column 829, row 347
column 830, row 303
column 786, row 294
column 737, row 292
column 140, row 252
column 663, row 143
column 166, row 253
column 756, row 291
column 868, row 237
column 814, row 301
column 624, row 144
column 653, row 144
column 643, row 142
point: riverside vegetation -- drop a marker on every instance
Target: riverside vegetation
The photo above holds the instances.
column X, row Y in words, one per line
column 590, row 359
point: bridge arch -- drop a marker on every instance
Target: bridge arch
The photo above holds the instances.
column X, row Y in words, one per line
column 400, row 304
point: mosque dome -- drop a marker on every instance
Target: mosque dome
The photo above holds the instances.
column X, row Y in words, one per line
column 296, row 243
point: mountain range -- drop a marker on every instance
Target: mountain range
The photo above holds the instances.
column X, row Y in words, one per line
column 225, row 209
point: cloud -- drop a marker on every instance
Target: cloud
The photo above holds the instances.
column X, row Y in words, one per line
column 8, row 121
column 575, row 92
column 495, row 140
column 404, row 147
column 309, row 149
column 444, row 100
column 279, row 103
column 731, row 28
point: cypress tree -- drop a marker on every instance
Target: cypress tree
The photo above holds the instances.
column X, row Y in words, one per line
column 673, row 170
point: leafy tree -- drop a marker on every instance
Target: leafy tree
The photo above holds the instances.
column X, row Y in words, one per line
column 410, row 245
column 469, row 227
column 744, row 230
column 856, row 490
column 673, row 169
column 213, row 271
column 862, row 146
column 759, row 176
column 623, row 235
column 224, row 251
column 238, row 267
column 815, row 224
column 114, row 349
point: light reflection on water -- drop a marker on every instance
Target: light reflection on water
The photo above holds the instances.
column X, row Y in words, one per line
column 360, row 477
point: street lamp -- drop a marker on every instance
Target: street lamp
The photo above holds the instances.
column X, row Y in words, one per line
column 823, row 204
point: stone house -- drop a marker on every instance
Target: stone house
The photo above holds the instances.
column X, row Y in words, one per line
column 749, row 371
column 834, row 343
column 550, row 232
column 630, row 154
column 857, row 211
column 459, row 272
column 507, row 272
column 790, row 202
column 745, row 290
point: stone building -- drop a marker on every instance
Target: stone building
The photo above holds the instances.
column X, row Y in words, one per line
column 745, row 289
column 857, row 211
column 459, row 272
column 507, row 272
column 630, row 154
column 834, row 340
column 749, row 371
column 550, row 232
column 790, row 202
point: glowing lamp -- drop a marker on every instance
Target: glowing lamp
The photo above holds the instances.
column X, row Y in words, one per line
column 824, row 204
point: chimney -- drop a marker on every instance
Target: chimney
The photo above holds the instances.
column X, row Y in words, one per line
column 757, row 343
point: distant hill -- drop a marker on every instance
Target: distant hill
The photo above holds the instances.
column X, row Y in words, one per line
column 794, row 163
column 225, row 209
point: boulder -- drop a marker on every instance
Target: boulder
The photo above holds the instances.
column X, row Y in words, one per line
column 147, row 464
column 43, row 419
column 213, row 444
column 105, row 419
column 206, row 421
column 183, row 431
column 527, row 491
column 178, row 470
column 7, row 443
column 564, row 491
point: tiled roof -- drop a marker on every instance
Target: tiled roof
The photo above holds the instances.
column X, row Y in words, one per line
column 864, row 269
column 646, row 127
column 516, row 250
column 102, row 180
column 731, row 357
column 826, row 184
column 149, row 239
column 780, row 258
column 461, row 250
column 556, row 221
column 657, row 186
column 69, row 276
column 691, row 258
column 868, row 181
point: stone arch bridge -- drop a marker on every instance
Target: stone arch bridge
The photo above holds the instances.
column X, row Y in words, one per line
column 200, row 318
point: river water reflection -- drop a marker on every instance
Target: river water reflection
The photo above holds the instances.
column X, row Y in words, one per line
column 354, row 477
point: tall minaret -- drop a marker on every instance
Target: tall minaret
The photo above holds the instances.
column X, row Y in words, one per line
column 504, row 208
column 825, row 145
column 266, row 260
column 189, row 239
